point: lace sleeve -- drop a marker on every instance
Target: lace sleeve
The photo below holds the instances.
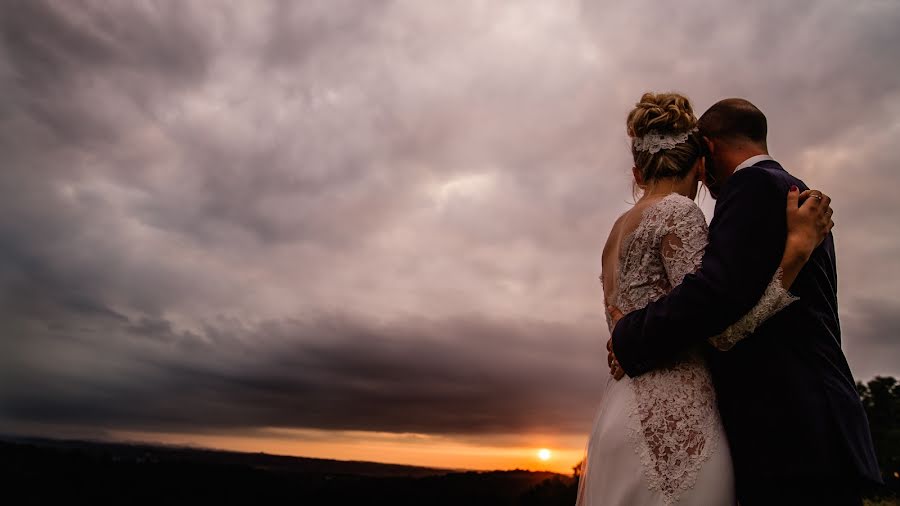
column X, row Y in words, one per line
column 773, row 300
column 683, row 240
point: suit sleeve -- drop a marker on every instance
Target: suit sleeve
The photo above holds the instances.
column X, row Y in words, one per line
column 746, row 243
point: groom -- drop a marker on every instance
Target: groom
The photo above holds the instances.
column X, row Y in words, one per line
column 797, row 430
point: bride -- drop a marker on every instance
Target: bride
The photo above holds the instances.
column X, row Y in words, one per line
column 657, row 439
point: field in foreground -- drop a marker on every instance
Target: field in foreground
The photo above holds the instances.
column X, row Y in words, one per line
column 42, row 471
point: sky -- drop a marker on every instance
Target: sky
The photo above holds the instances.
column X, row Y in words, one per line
column 372, row 229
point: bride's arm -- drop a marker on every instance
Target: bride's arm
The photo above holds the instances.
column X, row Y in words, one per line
column 682, row 246
column 807, row 228
column 774, row 299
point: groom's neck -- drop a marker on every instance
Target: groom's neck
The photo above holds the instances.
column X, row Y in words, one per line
column 739, row 154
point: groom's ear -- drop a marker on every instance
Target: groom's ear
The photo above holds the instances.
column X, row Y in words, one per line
column 710, row 145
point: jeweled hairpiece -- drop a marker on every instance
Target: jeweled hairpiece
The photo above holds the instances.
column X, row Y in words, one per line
column 655, row 141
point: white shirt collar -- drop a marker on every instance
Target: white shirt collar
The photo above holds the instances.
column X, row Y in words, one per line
column 753, row 160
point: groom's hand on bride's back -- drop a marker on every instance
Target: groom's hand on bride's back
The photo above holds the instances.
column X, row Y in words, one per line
column 614, row 368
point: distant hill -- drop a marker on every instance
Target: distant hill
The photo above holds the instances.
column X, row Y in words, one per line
column 148, row 452
column 47, row 471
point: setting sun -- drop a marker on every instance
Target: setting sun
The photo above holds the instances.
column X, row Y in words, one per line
column 544, row 454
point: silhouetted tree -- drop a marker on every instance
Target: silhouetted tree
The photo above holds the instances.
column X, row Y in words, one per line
column 577, row 468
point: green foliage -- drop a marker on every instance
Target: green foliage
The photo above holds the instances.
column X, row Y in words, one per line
column 881, row 399
column 882, row 502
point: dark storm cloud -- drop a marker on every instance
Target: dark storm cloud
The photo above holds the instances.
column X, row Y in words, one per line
column 383, row 215
column 463, row 375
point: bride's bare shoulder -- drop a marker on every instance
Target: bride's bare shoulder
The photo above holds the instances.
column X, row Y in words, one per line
column 614, row 234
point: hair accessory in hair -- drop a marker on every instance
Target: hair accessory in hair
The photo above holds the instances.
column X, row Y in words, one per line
column 653, row 141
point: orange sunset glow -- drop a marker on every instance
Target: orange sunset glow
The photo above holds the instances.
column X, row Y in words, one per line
column 411, row 449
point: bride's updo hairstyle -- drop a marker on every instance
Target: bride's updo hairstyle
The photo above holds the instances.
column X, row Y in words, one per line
column 664, row 114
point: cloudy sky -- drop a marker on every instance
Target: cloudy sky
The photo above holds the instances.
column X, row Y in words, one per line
column 372, row 229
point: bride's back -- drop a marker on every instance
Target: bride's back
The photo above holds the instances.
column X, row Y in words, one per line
column 623, row 228
column 640, row 263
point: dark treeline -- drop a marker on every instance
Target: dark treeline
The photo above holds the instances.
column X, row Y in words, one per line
column 881, row 398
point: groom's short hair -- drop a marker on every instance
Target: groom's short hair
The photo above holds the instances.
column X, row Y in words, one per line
column 734, row 119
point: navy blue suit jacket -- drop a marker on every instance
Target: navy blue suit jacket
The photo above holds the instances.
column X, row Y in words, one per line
column 786, row 395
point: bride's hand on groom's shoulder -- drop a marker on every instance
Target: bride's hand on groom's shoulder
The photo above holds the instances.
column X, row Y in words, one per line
column 614, row 368
column 809, row 220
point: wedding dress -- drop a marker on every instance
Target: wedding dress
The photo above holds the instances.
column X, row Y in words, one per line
column 657, row 439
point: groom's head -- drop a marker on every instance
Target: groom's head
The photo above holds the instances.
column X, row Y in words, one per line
column 734, row 130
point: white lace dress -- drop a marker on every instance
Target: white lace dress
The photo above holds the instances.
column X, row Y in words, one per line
column 657, row 439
